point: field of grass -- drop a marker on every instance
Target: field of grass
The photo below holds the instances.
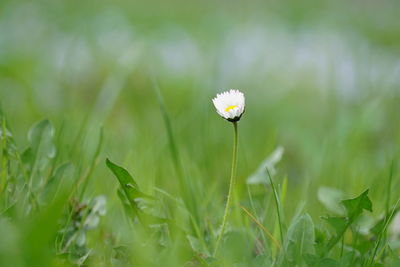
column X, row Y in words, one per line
column 113, row 153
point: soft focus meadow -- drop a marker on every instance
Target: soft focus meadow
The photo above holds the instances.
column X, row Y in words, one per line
column 132, row 82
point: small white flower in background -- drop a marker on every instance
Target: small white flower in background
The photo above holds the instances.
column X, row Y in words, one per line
column 230, row 105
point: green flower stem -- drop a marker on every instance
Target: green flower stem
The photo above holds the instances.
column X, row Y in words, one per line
column 231, row 185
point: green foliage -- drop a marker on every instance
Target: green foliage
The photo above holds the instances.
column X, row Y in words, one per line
column 321, row 81
column 35, row 200
column 129, row 187
column 128, row 184
column 300, row 239
column 355, row 206
column 41, row 206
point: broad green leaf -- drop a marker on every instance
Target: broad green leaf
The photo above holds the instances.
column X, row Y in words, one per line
column 300, row 238
column 363, row 244
column 128, row 184
column 133, row 194
column 128, row 207
column 338, row 223
column 122, row 175
column 355, row 206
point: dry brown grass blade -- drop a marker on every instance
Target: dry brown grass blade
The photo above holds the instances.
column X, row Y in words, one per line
column 254, row 219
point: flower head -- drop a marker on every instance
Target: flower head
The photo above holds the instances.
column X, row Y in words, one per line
column 230, row 105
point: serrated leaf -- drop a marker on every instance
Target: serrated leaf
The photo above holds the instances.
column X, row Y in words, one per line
column 355, row 206
column 300, row 238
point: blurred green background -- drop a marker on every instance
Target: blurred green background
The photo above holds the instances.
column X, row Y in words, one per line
column 321, row 79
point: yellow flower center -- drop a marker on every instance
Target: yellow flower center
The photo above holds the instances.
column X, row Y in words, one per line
column 230, row 108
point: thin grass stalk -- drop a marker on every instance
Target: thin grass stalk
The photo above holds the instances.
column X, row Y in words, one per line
column 185, row 188
column 171, row 140
column 389, row 187
column 371, row 261
column 277, row 205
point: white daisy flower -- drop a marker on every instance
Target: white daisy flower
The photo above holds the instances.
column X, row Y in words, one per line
column 230, row 105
